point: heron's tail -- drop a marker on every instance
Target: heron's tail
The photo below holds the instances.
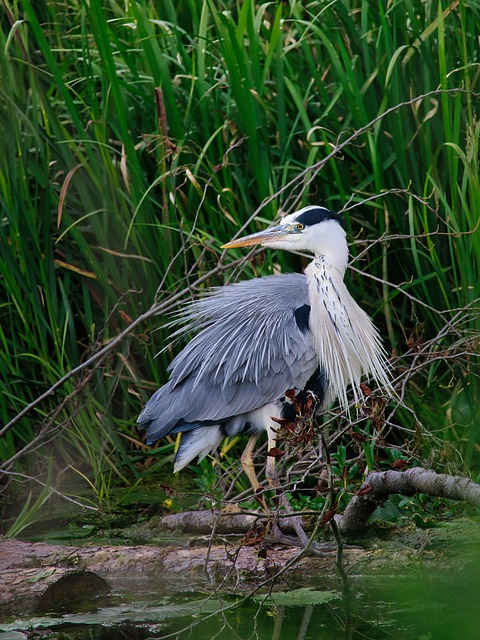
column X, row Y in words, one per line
column 197, row 442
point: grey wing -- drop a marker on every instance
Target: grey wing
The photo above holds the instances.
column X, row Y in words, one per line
column 254, row 343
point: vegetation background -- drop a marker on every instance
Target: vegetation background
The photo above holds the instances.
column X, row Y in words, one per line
column 137, row 137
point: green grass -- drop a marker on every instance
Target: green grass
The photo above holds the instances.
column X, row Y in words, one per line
column 134, row 142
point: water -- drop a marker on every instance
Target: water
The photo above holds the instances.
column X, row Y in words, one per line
column 412, row 585
column 414, row 604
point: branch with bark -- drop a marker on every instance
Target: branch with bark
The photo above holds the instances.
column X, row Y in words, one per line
column 373, row 493
column 379, row 485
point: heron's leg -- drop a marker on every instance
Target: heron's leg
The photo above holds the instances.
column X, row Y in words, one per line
column 249, row 468
column 275, row 534
column 274, row 481
column 271, row 470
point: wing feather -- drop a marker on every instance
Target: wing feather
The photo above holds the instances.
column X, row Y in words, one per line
column 248, row 351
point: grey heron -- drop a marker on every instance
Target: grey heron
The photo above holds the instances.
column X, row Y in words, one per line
column 259, row 338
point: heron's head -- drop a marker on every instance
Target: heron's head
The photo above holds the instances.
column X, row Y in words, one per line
column 314, row 229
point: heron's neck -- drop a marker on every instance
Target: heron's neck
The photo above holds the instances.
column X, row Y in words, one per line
column 346, row 341
column 332, row 266
column 331, row 250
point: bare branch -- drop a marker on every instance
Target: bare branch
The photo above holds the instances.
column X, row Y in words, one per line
column 379, row 485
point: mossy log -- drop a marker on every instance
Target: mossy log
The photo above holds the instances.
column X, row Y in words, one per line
column 38, row 578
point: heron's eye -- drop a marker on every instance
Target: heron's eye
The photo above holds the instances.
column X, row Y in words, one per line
column 300, row 226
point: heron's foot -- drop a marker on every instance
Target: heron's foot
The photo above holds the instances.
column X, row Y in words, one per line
column 297, row 524
column 311, row 547
column 274, row 535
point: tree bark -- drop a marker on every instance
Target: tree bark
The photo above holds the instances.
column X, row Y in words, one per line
column 379, row 485
column 37, row 578
column 221, row 522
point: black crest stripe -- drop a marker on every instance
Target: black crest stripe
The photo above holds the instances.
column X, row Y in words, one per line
column 315, row 215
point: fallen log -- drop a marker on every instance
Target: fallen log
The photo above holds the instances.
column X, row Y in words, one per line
column 38, row 577
column 217, row 520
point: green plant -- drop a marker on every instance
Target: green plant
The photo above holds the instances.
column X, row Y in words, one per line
column 136, row 138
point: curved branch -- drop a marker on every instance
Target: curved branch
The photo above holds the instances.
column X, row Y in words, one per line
column 379, row 485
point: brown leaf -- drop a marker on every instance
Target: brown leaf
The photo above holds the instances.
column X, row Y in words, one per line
column 63, row 193
column 329, row 514
column 357, row 436
column 364, row 491
column 275, row 452
column 291, row 394
column 281, row 421
column 253, row 536
column 128, row 319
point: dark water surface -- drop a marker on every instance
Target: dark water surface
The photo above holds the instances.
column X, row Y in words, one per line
column 420, row 604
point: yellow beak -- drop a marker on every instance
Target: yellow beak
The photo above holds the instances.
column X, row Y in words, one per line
column 262, row 237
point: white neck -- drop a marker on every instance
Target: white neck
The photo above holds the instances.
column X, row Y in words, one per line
column 330, row 242
column 346, row 341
